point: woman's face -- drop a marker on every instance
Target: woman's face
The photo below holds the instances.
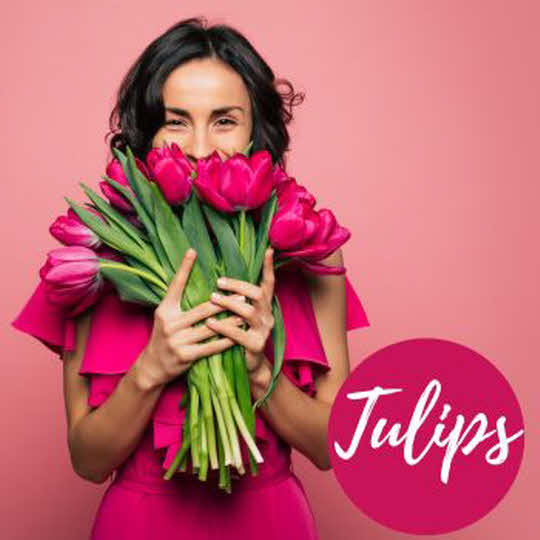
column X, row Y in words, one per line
column 207, row 108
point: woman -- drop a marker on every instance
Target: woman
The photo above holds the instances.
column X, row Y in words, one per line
column 207, row 90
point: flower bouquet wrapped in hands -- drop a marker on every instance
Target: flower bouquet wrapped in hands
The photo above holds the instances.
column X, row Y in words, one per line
column 135, row 240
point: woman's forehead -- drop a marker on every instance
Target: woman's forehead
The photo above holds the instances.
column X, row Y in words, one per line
column 204, row 85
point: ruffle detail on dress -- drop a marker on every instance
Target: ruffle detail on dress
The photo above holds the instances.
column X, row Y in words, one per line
column 46, row 322
column 304, row 356
column 119, row 331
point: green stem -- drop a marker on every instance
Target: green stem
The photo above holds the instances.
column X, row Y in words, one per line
column 245, row 432
column 132, row 270
column 194, row 427
column 243, row 396
column 224, row 438
column 200, row 376
column 203, row 470
column 186, row 443
column 226, row 398
column 222, row 482
column 223, row 385
column 242, row 230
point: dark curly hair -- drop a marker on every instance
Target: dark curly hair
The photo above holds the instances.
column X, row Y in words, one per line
column 139, row 111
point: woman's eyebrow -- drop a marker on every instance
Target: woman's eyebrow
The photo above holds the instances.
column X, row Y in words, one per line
column 215, row 112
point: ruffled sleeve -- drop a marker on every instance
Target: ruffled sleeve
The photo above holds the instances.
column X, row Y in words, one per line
column 304, row 356
column 118, row 332
column 46, row 322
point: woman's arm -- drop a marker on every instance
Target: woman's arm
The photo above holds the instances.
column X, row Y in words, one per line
column 101, row 439
column 298, row 418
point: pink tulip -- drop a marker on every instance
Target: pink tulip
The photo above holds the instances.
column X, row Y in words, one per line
column 278, row 176
column 302, row 233
column 238, row 183
column 71, row 231
column 171, row 171
column 115, row 171
column 115, row 198
column 288, row 190
column 71, row 277
column 293, row 225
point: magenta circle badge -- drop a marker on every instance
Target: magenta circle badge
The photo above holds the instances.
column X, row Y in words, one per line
column 426, row 436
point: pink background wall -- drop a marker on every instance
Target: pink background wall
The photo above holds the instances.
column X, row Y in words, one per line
column 428, row 113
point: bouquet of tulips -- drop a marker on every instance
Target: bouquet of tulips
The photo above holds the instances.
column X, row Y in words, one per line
column 229, row 211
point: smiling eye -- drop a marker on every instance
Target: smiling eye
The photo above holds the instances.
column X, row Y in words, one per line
column 228, row 120
column 171, row 122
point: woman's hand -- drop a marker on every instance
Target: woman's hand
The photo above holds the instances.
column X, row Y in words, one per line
column 173, row 345
column 258, row 314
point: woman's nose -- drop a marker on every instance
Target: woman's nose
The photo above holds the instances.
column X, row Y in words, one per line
column 200, row 148
column 192, row 158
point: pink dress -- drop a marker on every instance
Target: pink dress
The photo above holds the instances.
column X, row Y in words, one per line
column 139, row 504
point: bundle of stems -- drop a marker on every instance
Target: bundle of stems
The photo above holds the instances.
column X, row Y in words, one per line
column 218, row 386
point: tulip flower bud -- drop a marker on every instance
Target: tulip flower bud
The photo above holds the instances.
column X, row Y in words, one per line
column 72, row 279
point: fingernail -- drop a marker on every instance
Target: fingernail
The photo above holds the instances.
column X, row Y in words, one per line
column 215, row 296
column 221, row 281
column 211, row 320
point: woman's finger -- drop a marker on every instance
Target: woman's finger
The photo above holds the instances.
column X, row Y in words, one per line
column 173, row 296
column 249, row 290
column 239, row 335
column 207, row 349
column 268, row 277
column 245, row 310
column 196, row 314
column 203, row 331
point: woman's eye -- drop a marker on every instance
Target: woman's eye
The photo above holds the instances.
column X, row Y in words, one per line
column 227, row 121
column 221, row 122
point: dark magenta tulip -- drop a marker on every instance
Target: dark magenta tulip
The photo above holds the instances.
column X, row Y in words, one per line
column 302, row 233
column 116, row 172
column 171, row 171
column 238, row 183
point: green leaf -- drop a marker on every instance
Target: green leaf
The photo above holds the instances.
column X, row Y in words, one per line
column 197, row 233
column 136, row 179
column 130, row 287
column 113, row 216
column 158, row 291
column 250, row 241
column 267, row 214
column 279, row 341
column 175, row 244
column 235, row 224
column 148, row 222
column 235, row 265
column 108, row 234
